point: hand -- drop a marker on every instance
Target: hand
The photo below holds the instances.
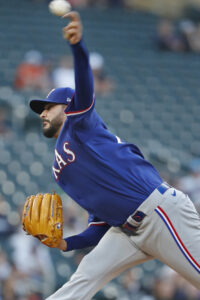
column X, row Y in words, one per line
column 73, row 31
column 63, row 245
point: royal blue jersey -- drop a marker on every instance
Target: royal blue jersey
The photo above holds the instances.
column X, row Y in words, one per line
column 107, row 177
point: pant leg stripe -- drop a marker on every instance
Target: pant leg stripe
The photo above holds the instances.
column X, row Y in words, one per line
column 177, row 239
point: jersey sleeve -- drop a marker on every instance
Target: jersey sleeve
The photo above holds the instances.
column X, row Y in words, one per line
column 89, row 237
column 83, row 100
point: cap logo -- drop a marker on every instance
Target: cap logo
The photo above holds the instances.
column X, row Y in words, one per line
column 69, row 99
column 50, row 93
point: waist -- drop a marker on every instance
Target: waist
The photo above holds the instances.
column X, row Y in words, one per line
column 163, row 187
column 147, row 207
column 155, row 198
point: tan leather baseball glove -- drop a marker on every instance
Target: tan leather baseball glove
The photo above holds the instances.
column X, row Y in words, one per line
column 42, row 218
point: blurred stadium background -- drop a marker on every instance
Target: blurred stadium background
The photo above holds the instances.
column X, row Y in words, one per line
column 154, row 102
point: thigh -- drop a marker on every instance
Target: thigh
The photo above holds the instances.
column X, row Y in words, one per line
column 178, row 241
column 114, row 254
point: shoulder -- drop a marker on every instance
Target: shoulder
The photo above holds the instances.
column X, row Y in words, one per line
column 87, row 119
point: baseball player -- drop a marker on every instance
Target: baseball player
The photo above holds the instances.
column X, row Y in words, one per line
column 133, row 215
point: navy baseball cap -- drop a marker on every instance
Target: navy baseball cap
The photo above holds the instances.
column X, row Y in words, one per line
column 57, row 96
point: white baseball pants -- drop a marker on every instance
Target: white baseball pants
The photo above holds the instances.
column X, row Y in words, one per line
column 170, row 232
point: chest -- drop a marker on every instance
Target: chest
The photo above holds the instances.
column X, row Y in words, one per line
column 65, row 155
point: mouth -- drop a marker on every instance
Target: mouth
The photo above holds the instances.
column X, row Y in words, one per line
column 45, row 123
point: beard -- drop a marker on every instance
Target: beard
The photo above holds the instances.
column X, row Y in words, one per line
column 53, row 127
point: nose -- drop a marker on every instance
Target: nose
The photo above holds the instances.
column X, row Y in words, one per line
column 43, row 114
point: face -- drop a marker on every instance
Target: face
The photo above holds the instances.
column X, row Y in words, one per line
column 53, row 118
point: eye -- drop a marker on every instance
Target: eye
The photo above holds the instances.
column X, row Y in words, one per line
column 49, row 106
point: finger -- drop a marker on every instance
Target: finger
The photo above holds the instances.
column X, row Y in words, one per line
column 73, row 15
column 57, row 209
column 36, row 208
column 25, row 212
column 74, row 39
column 67, row 36
column 28, row 212
column 73, row 24
column 70, row 31
column 45, row 208
column 70, row 34
column 29, row 207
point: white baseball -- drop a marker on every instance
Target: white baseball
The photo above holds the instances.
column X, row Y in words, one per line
column 59, row 7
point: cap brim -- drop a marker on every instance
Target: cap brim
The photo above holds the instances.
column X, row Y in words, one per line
column 38, row 105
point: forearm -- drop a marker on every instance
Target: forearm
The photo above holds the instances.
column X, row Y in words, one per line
column 88, row 238
column 84, row 86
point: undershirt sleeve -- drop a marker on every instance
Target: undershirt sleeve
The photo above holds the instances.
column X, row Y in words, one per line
column 88, row 238
column 83, row 99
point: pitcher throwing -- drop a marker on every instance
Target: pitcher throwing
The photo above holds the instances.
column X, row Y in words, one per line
column 133, row 215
